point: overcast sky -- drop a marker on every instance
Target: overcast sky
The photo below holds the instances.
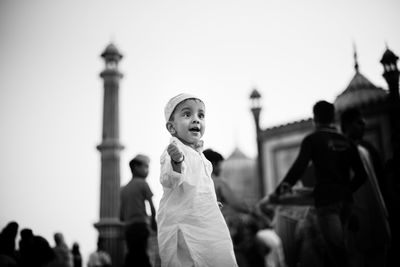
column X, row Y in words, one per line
column 294, row 52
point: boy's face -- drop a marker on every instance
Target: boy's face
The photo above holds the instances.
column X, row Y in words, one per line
column 188, row 121
column 142, row 170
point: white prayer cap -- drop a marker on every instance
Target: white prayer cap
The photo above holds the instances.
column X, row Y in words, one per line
column 173, row 102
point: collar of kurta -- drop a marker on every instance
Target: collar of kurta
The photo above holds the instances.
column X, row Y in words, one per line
column 198, row 147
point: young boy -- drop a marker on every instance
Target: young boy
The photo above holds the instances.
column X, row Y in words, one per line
column 133, row 198
column 192, row 231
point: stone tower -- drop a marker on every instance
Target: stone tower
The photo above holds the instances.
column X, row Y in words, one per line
column 391, row 74
column 109, row 225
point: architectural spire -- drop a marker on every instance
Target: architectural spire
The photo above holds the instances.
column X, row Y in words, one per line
column 355, row 58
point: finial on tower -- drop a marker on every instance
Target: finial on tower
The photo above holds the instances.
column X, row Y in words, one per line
column 111, row 53
column 356, row 67
column 391, row 72
column 111, row 56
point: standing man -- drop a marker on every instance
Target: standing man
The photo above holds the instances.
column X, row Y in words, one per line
column 333, row 156
column 372, row 236
column 133, row 213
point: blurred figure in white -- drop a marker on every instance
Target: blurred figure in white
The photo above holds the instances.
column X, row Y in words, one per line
column 61, row 251
column 99, row 258
column 268, row 237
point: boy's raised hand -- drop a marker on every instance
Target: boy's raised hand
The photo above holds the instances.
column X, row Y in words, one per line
column 174, row 152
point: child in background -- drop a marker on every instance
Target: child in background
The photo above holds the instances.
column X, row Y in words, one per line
column 99, row 258
column 192, row 231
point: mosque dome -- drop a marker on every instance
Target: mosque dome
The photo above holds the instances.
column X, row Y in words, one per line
column 359, row 92
column 240, row 173
column 237, row 154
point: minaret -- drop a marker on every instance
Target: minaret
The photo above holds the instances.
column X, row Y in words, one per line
column 391, row 73
column 109, row 226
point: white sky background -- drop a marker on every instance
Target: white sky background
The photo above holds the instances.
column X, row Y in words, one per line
column 293, row 52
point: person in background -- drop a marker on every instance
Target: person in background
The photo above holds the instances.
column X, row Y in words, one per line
column 268, row 239
column 133, row 213
column 44, row 255
column 372, row 233
column 335, row 158
column 26, row 247
column 99, row 258
column 61, row 250
column 8, row 252
column 76, row 255
column 224, row 193
column 231, row 208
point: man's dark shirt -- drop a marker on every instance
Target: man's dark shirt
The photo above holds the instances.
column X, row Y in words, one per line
column 333, row 156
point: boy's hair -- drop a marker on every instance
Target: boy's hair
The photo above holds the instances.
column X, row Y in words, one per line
column 348, row 117
column 213, row 156
column 133, row 163
column 138, row 161
column 324, row 112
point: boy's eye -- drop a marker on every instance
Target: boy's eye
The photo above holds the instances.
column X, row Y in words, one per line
column 201, row 115
column 186, row 114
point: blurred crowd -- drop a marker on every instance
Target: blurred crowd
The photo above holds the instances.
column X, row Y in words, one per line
column 35, row 251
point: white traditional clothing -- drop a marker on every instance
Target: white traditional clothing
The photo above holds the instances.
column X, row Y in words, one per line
column 99, row 259
column 191, row 228
column 275, row 257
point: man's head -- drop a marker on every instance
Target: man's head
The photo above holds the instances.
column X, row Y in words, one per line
column 185, row 118
column 139, row 166
column 352, row 124
column 324, row 112
column 215, row 158
column 26, row 233
column 59, row 238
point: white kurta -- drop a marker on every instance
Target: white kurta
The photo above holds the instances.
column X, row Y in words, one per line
column 191, row 228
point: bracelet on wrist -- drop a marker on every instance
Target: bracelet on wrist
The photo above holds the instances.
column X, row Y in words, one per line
column 179, row 162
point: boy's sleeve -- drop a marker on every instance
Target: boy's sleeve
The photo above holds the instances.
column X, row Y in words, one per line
column 168, row 177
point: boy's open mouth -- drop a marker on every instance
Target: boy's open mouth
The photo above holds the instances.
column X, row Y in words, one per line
column 195, row 129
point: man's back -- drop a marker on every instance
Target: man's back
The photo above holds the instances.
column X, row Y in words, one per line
column 333, row 156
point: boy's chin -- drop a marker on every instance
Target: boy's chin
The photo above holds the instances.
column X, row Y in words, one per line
column 191, row 141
